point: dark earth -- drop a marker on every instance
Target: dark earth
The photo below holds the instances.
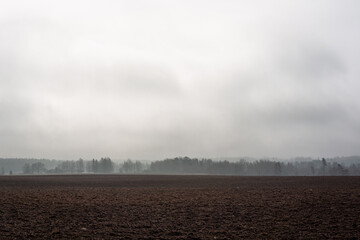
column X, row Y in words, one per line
column 179, row 207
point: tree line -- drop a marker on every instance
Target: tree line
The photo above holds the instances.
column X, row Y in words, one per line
column 104, row 165
column 186, row 165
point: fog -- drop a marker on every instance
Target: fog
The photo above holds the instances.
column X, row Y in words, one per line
column 158, row 79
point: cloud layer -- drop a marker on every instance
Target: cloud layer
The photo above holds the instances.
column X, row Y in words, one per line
column 149, row 80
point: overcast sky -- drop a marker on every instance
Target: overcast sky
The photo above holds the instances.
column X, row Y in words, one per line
column 156, row 79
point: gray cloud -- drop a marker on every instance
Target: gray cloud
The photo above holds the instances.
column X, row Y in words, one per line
column 312, row 63
column 200, row 78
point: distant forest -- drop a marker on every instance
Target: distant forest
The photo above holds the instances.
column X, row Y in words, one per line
column 343, row 166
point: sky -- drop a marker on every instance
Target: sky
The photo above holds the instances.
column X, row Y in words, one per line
column 158, row 79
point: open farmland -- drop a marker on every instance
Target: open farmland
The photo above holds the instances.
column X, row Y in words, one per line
column 178, row 207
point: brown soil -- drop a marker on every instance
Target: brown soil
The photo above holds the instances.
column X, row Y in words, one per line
column 179, row 207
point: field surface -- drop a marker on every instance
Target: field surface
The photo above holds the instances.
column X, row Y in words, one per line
column 179, row 207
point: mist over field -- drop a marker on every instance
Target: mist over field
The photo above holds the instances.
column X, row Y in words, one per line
column 157, row 79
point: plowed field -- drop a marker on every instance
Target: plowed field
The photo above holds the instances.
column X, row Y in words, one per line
column 179, row 207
